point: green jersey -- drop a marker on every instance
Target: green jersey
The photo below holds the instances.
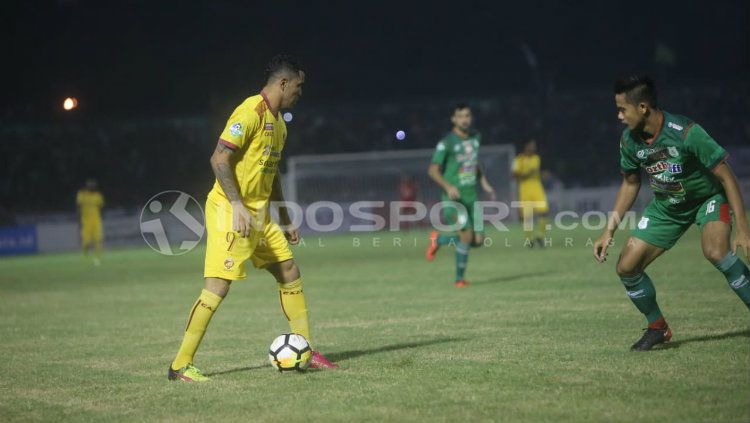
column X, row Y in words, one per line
column 678, row 160
column 458, row 159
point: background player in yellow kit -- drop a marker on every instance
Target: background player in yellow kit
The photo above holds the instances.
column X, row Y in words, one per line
column 534, row 207
column 238, row 222
column 90, row 202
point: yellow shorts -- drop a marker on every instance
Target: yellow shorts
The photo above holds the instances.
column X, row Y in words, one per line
column 227, row 252
column 91, row 231
column 533, row 195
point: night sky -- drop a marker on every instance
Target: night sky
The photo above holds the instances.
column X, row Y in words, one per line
column 169, row 58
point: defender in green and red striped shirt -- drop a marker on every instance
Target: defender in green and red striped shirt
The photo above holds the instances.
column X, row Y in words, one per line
column 692, row 183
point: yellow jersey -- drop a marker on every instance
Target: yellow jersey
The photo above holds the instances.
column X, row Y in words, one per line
column 524, row 164
column 257, row 136
column 90, row 203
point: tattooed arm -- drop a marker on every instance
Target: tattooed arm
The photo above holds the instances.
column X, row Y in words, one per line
column 222, row 167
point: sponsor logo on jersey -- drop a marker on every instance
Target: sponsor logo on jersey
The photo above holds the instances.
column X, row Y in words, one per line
column 663, row 177
column 269, row 165
column 236, row 129
column 657, row 167
column 652, row 153
column 268, row 151
column 666, row 187
column 673, row 151
column 674, row 126
column 661, row 166
column 268, row 130
column 468, row 146
column 660, row 154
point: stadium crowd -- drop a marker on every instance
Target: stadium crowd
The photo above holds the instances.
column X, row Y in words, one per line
column 45, row 162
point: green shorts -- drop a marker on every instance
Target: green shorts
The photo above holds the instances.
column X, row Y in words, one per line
column 464, row 217
column 662, row 229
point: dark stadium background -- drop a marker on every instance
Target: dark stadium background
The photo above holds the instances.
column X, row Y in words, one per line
column 156, row 81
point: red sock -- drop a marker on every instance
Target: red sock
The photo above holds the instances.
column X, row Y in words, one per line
column 659, row 323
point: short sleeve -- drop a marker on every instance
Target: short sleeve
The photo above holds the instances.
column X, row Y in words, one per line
column 440, row 154
column 628, row 164
column 516, row 166
column 240, row 128
column 705, row 148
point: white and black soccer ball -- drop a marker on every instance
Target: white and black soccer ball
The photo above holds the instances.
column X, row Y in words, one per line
column 290, row 351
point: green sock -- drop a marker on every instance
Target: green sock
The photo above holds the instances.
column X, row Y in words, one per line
column 462, row 257
column 738, row 276
column 447, row 239
column 641, row 291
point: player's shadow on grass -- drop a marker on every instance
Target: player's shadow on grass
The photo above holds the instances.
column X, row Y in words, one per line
column 346, row 355
column 239, row 369
column 511, row 278
column 704, row 338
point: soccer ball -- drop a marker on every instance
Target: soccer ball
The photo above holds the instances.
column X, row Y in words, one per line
column 290, row 351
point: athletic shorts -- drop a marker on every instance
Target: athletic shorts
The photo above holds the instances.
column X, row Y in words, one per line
column 463, row 217
column 533, row 195
column 663, row 229
column 91, row 231
column 227, row 251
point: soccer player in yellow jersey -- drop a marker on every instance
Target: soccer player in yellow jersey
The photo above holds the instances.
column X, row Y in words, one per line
column 90, row 202
column 238, row 222
column 526, row 170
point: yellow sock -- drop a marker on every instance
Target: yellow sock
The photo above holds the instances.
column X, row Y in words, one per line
column 542, row 227
column 527, row 221
column 98, row 249
column 293, row 305
column 200, row 315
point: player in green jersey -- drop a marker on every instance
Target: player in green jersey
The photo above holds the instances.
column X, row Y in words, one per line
column 692, row 183
column 455, row 168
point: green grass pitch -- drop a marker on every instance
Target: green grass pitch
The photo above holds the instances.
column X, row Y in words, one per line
column 540, row 336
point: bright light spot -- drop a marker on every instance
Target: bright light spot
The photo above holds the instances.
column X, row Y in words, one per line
column 70, row 103
column 400, row 135
column 288, row 117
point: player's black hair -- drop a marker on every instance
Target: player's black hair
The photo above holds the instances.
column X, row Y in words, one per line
column 460, row 106
column 637, row 89
column 283, row 63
